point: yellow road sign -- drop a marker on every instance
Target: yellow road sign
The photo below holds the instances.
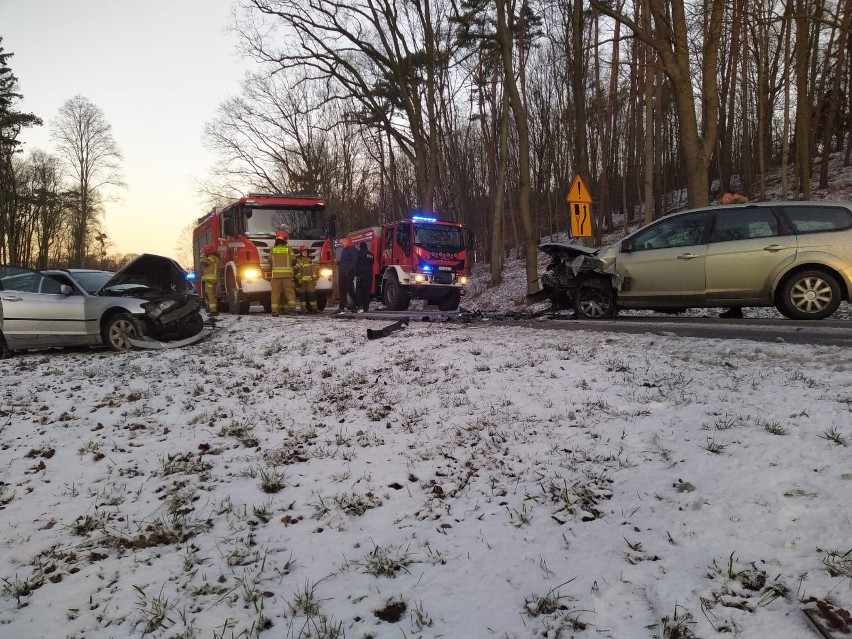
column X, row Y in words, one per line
column 581, row 220
column 579, row 194
column 580, row 206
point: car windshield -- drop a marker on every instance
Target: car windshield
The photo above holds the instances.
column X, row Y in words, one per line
column 92, row 281
column 439, row 237
column 301, row 224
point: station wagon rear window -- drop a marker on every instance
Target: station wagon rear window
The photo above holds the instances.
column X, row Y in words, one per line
column 816, row 219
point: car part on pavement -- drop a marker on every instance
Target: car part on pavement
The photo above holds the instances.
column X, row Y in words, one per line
column 387, row 330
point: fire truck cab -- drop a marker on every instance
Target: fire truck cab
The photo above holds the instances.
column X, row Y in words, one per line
column 418, row 258
column 243, row 232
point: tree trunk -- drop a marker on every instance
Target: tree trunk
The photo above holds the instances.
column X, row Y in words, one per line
column 505, row 36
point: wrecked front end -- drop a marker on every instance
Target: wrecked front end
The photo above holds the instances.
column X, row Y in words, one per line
column 171, row 310
column 580, row 279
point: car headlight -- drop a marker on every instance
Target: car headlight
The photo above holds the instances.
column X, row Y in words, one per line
column 155, row 309
column 463, row 280
column 419, row 277
column 251, row 273
column 326, row 272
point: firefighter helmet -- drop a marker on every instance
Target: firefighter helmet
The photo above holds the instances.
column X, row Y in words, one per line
column 282, row 235
column 209, row 248
column 303, row 250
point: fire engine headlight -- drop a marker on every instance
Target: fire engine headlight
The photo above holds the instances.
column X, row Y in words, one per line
column 326, row 272
column 251, row 274
column 419, row 277
column 155, row 309
column 463, row 279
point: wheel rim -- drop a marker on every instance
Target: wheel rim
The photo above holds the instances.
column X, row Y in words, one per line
column 594, row 304
column 811, row 295
column 119, row 331
column 391, row 293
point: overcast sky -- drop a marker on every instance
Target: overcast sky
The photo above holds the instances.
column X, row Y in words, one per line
column 158, row 69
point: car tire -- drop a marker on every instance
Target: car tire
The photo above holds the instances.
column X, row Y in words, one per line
column 118, row 328
column 809, row 295
column 594, row 302
column 393, row 297
column 5, row 353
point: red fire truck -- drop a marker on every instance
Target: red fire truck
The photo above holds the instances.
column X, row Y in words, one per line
column 420, row 258
column 244, row 231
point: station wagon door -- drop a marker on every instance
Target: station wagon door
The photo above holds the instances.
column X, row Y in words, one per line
column 36, row 312
column 745, row 251
column 664, row 264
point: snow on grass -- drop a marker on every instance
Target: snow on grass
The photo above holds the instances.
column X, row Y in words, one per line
column 290, row 478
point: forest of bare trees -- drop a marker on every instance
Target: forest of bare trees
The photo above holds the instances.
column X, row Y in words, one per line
column 484, row 110
column 50, row 205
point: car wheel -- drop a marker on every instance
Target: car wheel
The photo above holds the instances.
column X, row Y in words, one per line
column 4, row 348
column 594, row 302
column 809, row 295
column 194, row 325
column 393, row 297
column 118, row 328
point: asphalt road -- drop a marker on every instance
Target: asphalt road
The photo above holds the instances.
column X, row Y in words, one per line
column 826, row 332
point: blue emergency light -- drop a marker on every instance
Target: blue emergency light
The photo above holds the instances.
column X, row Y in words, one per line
column 423, row 218
column 190, row 276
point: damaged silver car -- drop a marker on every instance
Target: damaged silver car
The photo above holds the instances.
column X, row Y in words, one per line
column 149, row 297
column 795, row 256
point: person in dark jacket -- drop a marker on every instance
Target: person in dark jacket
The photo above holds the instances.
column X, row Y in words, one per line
column 346, row 276
column 364, row 273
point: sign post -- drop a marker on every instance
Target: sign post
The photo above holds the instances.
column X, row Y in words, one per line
column 580, row 207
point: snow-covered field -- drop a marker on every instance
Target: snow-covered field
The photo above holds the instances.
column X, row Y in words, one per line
column 290, row 478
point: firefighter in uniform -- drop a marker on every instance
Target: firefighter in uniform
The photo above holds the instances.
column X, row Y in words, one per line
column 306, row 281
column 209, row 273
column 281, row 260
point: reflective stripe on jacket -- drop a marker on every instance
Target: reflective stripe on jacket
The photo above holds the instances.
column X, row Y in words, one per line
column 209, row 267
column 305, row 269
column 281, row 261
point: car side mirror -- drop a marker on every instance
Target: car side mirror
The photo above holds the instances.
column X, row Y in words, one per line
column 627, row 246
column 65, row 290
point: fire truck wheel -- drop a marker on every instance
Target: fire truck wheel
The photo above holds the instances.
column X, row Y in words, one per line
column 450, row 301
column 234, row 303
column 322, row 300
column 394, row 298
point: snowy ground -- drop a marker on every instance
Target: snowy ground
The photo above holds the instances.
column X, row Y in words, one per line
column 290, row 478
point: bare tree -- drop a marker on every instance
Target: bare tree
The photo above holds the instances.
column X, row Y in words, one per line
column 671, row 38
column 381, row 55
column 11, row 123
column 50, row 204
column 85, row 143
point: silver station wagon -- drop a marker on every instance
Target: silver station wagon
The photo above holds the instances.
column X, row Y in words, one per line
column 149, row 297
column 795, row 256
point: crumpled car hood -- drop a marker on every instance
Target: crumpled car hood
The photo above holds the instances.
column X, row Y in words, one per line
column 148, row 276
column 582, row 258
